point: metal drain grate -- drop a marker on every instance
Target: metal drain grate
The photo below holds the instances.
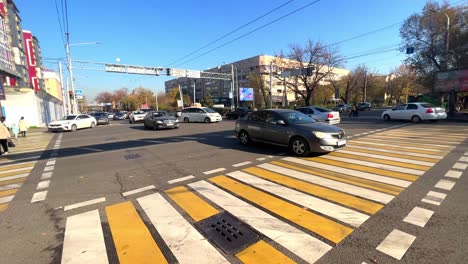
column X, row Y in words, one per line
column 227, row 232
column 132, row 156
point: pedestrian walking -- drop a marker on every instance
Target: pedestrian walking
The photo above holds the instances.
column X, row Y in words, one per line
column 4, row 136
column 15, row 130
column 23, row 127
column 353, row 110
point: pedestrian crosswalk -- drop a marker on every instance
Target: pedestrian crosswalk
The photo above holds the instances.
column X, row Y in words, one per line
column 301, row 208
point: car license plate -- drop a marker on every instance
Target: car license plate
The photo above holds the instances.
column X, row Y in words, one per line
column 169, row 124
column 341, row 143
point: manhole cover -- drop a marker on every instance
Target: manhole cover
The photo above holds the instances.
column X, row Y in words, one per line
column 227, row 232
column 131, row 156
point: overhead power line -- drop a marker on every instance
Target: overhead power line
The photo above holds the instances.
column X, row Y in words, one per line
column 60, row 23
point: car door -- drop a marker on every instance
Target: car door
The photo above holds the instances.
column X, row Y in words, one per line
column 255, row 124
column 273, row 131
column 397, row 112
column 201, row 115
column 82, row 121
column 410, row 111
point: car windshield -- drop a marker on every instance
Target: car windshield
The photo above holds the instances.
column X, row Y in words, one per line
column 208, row 110
column 296, row 117
column 323, row 110
column 158, row 114
column 138, row 112
column 69, row 117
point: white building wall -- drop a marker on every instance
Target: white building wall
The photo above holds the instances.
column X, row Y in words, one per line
column 24, row 105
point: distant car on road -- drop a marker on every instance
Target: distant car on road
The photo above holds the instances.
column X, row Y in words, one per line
column 364, row 106
column 119, row 116
column 136, row 116
column 200, row 114
column 110, row 115
column 160, row 120
column 342, row 108
column 321, row 114
column 102, row 118
column 289, row 128
column 237, row 113
column 415, row 112
column 73, row 123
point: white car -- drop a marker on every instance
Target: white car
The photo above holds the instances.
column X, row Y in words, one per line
column 110, row 115
column 200, row 114
column 321, row 114
column 136, row 116
column 415, row 112
column 73, row 123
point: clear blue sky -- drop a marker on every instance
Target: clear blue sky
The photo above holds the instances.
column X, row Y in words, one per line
column 155, row 33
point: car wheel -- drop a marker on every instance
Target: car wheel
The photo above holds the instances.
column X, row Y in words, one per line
column 74, row 128
column 93, row 124
column 386, row 117
column 299, row 146
column 415, row 119
column 155, row 126
column 186, row 120
column 244, row 137
column 207, row 120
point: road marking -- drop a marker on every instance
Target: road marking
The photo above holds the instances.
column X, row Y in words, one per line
column 49, row 168
column 435, row 198
column 332, row 210
column 460, row 166
column 383, row 154
column 39, row 196
column 261, row 252
column 181, row 179
column 357, row 135
column 50, row 162
column 428, row 134
column 84, row 240
column 6, row 199
column 14, row 177
column 339, row 186
column 214, row 171
column 453, row 174
column 191, row 203
column 418, row 216
column 303, row 245
column 261, row 159
column 407, row 161
column 23, row 166
column 444, row 184
column 316, row 190
column 86, row 203
column 43, row 185
column 463, row 159
column 399, row 147
column 242, row 164
column 10, row 186
column 46, row 175
column 396, row 244
column 320, row 225
column 365, row 133
column 3, row 207
column 132, row 239
column 32, row 158
column 6, row 174
column 142, row 189
column 185, row 242
column 395, row 150
column 409, row 142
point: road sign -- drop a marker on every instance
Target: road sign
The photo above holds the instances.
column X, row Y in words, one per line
column 132, row 69
column 179, row 103
column 78, row 94
column 192, row 74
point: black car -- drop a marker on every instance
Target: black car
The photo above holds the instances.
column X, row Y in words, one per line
column 289, row 128
column 364, row 106
column 102, row 118
column 237, row 113
column 119, row 116
column 160, row 120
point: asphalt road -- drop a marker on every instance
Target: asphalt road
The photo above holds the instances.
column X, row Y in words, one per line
column 108, row 161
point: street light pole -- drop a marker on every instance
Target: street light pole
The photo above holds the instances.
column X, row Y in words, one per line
column 232, row 86
column 271, row 77
column 70, row 71
column 447, row 42
column 237, row 89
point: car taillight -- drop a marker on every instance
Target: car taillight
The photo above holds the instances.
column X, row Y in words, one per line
column 429, row 111
column 330, row 116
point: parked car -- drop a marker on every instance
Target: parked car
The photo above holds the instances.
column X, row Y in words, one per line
column 237, row 113
column 200, row 114
column 160, row 120
column 110, row 115
column 119, row 116
column 289, row 128
column 415, row 112
column 364, row 106
column 73, row 123
column 342, row 108
column 136, row 116
column 102, row 118
column 321, row 114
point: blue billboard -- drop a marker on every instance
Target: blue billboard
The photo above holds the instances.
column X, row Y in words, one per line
column 246, row 94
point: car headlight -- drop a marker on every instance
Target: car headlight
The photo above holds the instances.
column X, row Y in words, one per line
column 159, row 122
column 321, row 134
column 177, row 120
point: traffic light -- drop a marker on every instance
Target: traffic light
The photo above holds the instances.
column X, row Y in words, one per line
column 70, row 94
column 168, row 71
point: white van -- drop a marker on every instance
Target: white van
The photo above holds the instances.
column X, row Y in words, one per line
column 200, row 114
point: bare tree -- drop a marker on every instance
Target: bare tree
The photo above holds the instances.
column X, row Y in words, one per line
column 104, row 97
column 261, row 94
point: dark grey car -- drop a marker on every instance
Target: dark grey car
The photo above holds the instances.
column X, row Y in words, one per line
column 160, row 120
column 289, row 128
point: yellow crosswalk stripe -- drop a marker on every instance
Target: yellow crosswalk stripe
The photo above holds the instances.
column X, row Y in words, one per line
column 262, row 253
column 412, row 140
column 12, row 167
column 395, row 155
column 393, row 174
column 132, row 239
column 8, row 192
column 408, row 144
column 196, row 207
column 382, row 161
column 12, row 181
column 329, row 194
column 333, row 231
column 377, row 186
column 430, row 152
column 3, row 207
column 426, row 135
column 14, row 173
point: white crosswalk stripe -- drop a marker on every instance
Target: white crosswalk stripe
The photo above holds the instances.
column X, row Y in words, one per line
column 416, row 162
column 399, row 152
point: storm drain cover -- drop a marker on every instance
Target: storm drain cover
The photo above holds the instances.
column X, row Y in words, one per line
column 131, row 156
column 227, row 232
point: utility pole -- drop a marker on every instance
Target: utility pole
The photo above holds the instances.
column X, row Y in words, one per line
column 447, row 40
column 157, row 105
column 70, row 71
column 181, row 97
column 232, row 86
column 64, row 98
column 365, row 89
column 237, row 89
column 271, row 77
column 194, row 96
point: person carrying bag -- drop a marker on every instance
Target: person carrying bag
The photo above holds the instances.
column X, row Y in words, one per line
column 5, row 138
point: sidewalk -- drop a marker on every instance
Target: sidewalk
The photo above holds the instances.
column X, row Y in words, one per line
column 35, row 141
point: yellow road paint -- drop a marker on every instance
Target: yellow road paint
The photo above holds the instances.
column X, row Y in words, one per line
column 333, row 231
column 412, row 140
column 426, row 135
column 393, row 174
column 395, row 155
column 319, row 191
column 377, row 186
column 382, row 161
column 19, row 180
column 262, row 253
column 132, row 239
column 196, row 207
column 408, row 144
column 3, row 207
column 12, row 167
column 14, row 173
column 8, row 192
column 403, row 150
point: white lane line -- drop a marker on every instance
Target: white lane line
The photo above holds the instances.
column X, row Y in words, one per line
column 6, row 199
column 86, row 203
column 396, row 244
column 444, row 184
column 49, row 168
column 50, row 162
column 398, row 152
column 261, row 159
column 303, row 245
column 357, row 135
column 242, row 164
column 365, row 133
column 142, row 189
column 375, row 165
column 418, row 216
column 14, row 177
column 460, row 166
column 181, row 179
column 402, row 146
column 15, row 170
column 356, row 173
column 453, row 174
column 463, row 159
column 185, row 242
column 46, row 175
column 10, row 186
column 336, row 185
column 84, row 240
column 330, row 209
column 43, row 185
column 214, row 171
column 39, row 196
column 435, row 198
column 416, row 162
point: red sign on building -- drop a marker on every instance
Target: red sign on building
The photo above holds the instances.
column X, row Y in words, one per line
column 31, row 60
column 2, row 9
